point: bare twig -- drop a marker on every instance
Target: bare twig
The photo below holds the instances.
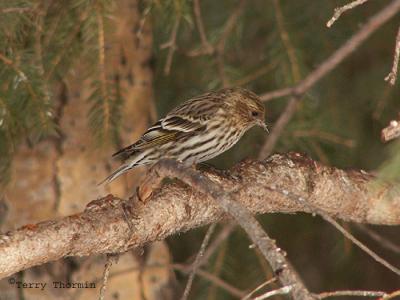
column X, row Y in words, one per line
column 273, row 279
column 291, row 53
column 256, row 74
column 325, row 136
column 197, row 261
column 16, row 10
column 278, row 128
column 212, row 278
column 358, row 243
column 207, row 47
column 392, row 131
column 351, row 293
column 111, row 258
column 171, row 44
column 385, row 243
column 391, row 295
column 339, row 227
column 328, row 65
column 392, row 76
column 220, row 47
column 339, row 55
column 340, row 10
column 221, row 237
column 291, row 107
column 281, row 291
column 185, row 270
column 229, row 203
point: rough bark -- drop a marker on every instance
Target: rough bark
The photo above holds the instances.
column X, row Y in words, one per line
column 102, row 227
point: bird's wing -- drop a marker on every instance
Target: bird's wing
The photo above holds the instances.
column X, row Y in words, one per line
column 164, row 131
column 188, row 118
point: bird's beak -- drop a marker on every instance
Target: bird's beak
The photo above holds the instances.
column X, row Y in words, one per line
column 262, row 125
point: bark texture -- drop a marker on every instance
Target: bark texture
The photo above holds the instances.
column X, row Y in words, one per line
column 102, row 228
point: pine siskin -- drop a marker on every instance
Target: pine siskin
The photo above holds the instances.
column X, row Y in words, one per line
column 197, row 130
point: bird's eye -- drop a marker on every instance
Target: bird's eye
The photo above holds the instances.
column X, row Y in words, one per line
column 255, row 113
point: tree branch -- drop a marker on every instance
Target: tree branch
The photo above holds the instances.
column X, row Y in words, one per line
column 340, row 10
column 102, row 227
column 339, row 55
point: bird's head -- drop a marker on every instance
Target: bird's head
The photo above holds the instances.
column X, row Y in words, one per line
column 246, row 107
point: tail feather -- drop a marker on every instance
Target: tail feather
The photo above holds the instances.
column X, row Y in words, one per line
column 118, row 172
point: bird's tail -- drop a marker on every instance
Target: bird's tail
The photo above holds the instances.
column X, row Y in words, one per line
column 118, row 172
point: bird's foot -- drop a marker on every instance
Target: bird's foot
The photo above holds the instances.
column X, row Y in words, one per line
column 146, row 188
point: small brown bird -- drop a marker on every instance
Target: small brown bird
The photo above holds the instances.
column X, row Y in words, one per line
column 197, row 130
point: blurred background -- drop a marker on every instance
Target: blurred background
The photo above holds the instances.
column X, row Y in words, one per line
column 80, row 78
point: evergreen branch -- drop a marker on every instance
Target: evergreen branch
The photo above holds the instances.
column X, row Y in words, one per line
column 43, row 113
column 102, row 75
column 67, row 44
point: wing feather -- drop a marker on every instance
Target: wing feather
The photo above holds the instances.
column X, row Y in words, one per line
column 188, row 118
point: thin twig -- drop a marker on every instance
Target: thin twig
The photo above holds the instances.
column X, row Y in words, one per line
column 212, row 278
column 340, row 10
column 220, row 47
column 329, row 64
column 273, row 279
column 219, row 263
column 391, row 295
column 197, row 261
column 339, row 55
column 256, row 74
column 207, row 48
column 171, row 44
column 111, row 258
column 358, row 243
column 339, row 227
column 278, row 128
column 325, row 136
column 391, row 131
column 351, row 293
column 378, row 238
column 291, row 53
column 221, row 237
column 392, row 76
column 229, row 203
column 291, row 107
column 281, row 291
column 16, row 10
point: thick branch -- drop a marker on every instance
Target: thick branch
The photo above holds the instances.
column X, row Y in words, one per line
column 230, row 203
column 102, row 227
